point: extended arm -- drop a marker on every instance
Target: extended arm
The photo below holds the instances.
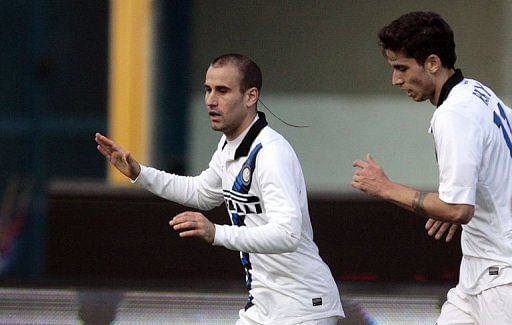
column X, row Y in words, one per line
column 371, row 179
column 279, row 226
column 201, row 192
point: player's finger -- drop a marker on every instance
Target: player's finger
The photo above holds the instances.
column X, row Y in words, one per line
column 176, row 219
column 369, row 158
column 104, row 152
column 442, row 230
column 97, row 137
column 182, row 217
column 126, row 157
column 359, row 181
column 434, row 228
column 187, row 225
column 107, row 143
column 451, row 232
column 359, row 164
column 100, row 137
column 429, row 223
column 190, row 233
column 102, row 140
column 358, row 175
column 356, row 184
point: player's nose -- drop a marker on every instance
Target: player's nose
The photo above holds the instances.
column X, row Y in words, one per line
column 210, row 99
column 397, row 79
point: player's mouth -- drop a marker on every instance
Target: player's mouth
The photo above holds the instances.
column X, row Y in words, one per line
column 214, row 116
column 409, row 92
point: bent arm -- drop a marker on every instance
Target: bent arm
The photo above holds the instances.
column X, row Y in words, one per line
column 278, row 229
column 265, row 239
column 428, row 204
column 371, row 179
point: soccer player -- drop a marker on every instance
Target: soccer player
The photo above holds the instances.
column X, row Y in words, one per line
column 472, row 132
column 257, row 175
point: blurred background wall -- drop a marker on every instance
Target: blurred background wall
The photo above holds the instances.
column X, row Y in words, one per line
column 321, row 66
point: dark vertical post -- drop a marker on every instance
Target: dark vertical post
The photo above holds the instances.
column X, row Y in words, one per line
column 171, row 88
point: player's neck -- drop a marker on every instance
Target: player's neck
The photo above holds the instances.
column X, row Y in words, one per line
column 441, row 77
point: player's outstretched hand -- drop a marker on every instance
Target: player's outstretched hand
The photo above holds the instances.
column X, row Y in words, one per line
column 193, row 224
column 438, row 228
column 118, row 157
column 369, row 177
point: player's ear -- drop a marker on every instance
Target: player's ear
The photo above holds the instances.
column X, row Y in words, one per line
column 433, row 63
column 252, row 94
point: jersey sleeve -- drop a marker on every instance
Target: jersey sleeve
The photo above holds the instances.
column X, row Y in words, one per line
column 459, row 147
column 279, row 178
column 203, row 192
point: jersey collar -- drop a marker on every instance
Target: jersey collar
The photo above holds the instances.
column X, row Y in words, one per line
column 245, row 145
column 449, row 84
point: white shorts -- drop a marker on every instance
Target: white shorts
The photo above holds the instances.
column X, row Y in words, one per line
column 323, row 321
column 492, row 306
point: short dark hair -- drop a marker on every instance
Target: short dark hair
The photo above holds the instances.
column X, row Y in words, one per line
column 419, row 34
column 251, row 73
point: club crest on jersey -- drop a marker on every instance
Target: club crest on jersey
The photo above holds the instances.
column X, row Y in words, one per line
column 246, row 175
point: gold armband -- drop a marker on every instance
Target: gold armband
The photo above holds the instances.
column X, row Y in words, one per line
column 417, row 203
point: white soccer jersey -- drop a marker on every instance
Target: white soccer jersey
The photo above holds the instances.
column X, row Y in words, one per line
column 472, row 133
column 259, row 178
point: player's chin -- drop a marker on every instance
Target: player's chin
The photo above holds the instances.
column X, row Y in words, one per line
column 419, row 98
column 217, row 126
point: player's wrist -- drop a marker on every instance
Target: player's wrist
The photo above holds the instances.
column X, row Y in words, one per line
column 417, row 204
column 390, row 191
column 135, row 172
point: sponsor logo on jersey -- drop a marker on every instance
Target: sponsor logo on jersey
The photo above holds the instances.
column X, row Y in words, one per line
column 242, row 204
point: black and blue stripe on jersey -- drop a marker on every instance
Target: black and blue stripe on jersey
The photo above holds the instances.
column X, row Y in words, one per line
column 239, row 207
column 238, row 201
